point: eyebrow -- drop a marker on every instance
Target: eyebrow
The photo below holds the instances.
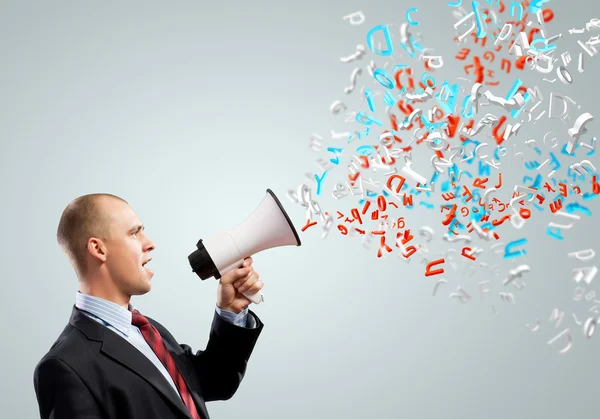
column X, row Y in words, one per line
column 136, row 228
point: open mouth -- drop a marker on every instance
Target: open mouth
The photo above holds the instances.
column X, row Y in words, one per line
column 144, row 265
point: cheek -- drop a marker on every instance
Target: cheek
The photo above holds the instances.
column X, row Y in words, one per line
column 131, row 265
column 135, row 257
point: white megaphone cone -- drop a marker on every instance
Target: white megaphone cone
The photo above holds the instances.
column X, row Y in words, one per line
column 267, row 227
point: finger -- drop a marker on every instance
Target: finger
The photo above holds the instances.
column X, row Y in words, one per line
column 239, row 280
column 246, row 285
column 249, row 270
column 248, row 261
column 237, row 274
column 256, row 287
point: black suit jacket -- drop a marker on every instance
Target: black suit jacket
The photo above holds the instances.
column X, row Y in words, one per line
column 91, row 372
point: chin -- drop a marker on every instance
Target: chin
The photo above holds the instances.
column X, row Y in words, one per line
column 145, row 287
column 144, row 290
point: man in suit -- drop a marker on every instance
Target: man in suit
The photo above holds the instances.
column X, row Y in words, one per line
column 111, row 361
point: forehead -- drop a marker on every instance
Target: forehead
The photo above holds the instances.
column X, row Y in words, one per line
column 123, row 217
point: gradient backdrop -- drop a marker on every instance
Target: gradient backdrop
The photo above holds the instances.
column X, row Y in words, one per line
column 190, row 111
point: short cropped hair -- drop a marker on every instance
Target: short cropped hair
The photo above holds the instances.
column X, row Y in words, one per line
column 83, row 218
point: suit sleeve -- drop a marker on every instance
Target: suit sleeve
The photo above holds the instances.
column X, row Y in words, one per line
column 241, row 319
column 221, row 367
column 61, row 394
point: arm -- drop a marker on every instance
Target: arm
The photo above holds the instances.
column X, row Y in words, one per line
column 221, row 367
column 61, row 394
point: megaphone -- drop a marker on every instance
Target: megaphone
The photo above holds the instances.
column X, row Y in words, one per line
column 267, row 227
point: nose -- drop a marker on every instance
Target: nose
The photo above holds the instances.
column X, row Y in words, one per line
column 150, row 245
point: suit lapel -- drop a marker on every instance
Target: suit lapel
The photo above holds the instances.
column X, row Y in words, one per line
column 121, row 351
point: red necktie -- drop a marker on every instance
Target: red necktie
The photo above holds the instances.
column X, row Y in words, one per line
column 156, row 343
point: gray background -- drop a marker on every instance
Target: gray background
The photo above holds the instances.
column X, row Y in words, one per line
column 189, row 111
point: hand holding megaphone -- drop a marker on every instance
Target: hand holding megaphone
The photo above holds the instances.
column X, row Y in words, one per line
column 267, row 227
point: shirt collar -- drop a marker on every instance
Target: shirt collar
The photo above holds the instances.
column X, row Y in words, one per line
column 111, row 313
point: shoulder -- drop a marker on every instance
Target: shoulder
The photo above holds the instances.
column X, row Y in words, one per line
column 61, row 350
column 69, row 345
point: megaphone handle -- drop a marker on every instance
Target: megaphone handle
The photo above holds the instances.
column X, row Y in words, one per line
column 256, row 297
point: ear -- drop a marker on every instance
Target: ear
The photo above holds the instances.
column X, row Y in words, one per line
column 97, row 249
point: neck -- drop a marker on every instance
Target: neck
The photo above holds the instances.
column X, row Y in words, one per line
column 108, row 295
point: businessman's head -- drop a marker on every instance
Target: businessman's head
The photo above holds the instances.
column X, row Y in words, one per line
column 106, row 244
